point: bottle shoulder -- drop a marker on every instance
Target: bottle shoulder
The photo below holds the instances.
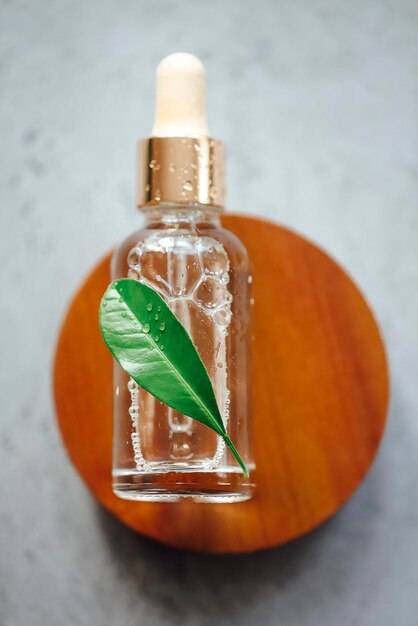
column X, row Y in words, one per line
column 201, row 236
column 232, row 245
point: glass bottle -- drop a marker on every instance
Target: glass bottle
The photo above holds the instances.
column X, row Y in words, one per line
column 202, row 271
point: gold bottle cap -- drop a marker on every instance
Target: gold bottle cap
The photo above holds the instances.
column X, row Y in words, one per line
column 180, row 169
column 180, row 163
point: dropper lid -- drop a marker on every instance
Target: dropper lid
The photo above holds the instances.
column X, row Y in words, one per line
column 180, row 163
column 180, row 97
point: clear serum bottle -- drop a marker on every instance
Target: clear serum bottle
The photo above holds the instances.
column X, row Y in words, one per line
column 202, row 272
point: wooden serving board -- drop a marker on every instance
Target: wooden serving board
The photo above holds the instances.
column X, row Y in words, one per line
column 320, row 389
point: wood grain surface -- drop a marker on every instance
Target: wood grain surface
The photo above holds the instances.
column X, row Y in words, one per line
column 320, row 395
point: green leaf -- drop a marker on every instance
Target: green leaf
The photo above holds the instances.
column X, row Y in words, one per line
column 153, row 347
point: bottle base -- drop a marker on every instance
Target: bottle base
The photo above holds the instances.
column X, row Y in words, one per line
column 211, row 487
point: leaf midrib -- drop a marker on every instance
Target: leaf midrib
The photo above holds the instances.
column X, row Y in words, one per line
column 178, row 374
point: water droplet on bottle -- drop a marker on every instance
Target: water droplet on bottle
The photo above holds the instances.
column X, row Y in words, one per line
column 133, row 274
column 147, row 188
column 146, row 328
column 219, row 364
column 162, row 326
column 157, row 195
column 159, row 307
column 250, row 279
column 196, row 146
column 213, row 192
column 121, row 299
column 134, row 257
column 154, row 165
column 187, row 185
column 156, row 317
column 124, row 314
column 149, row 306
column 162, row 348
column 157, row 338
column 171, row 168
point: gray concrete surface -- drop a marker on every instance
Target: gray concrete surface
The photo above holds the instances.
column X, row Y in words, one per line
column 317, row 102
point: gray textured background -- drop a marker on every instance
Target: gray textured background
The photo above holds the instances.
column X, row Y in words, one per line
column 317, row 102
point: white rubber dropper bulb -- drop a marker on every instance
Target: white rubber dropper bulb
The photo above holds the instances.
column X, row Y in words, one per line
column 181, row 97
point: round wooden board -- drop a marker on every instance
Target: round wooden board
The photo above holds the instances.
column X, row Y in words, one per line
column 320, row 388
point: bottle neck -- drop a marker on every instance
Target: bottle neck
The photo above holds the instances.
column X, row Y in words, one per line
column 176, row 215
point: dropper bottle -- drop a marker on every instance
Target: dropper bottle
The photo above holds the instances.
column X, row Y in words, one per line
column 202, row 271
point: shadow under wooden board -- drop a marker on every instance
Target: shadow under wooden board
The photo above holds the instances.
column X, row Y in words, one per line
column 320, row 395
